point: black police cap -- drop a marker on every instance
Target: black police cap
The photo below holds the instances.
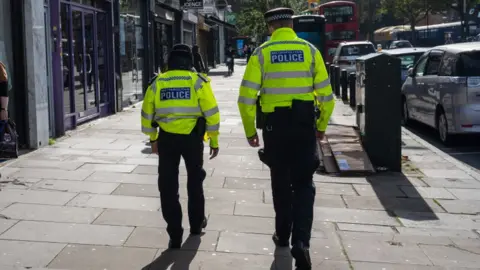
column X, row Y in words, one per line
column 181, row 47
column 278, row 14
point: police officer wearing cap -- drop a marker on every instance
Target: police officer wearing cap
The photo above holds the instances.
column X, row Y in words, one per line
column 182, row 105
column 288, row 76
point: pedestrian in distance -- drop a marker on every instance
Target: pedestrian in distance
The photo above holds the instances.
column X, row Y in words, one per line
column 289, row 77
column 181, row 103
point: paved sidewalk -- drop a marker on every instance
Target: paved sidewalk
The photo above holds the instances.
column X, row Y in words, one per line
column 90, row 202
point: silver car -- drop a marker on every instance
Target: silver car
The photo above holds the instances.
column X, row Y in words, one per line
column 442, row 90
column 348, row 52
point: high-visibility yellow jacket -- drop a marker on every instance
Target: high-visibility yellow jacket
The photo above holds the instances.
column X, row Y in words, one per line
column 283, row 69
column 175, row 100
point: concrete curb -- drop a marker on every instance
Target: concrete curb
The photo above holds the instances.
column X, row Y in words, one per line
column 444, row 155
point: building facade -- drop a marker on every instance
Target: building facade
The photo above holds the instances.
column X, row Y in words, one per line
column 85, row 59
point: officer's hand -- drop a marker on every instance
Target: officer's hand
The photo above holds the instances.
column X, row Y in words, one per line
column 214, row 152
column 321, row 135
column 254, row 141
column 154, row 147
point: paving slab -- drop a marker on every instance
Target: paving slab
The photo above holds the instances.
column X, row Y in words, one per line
column 382, row 190
column 86, row 257
column 321, row 200
column 35, row 196
column 115, row 177
column 27, row 254
column 116, row 202
column 75, row 186
column 354, row 216
column 6, row 224
column 392, row 204
column 389, row 266
column 470, row 207
column 37, row 173
column 452, row 183
column 44, row 164
column 428, row 192
column 40, row 212
column 68, row 233
column 451, row 256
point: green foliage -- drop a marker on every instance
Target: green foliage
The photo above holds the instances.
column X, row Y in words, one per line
column 250, row 21
column 413, row 10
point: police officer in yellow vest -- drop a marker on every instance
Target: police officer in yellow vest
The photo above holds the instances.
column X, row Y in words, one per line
column 182, row 104
column 289, row 75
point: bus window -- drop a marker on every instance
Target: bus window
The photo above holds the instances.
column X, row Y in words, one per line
column 338, row 14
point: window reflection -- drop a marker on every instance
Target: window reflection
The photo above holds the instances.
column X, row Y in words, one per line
column 131, row 51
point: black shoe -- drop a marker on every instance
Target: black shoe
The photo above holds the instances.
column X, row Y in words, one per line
column 302, row 257
column 174, row 244
column 199, row 230
column 279, row 242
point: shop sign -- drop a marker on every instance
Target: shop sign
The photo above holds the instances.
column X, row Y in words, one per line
column 191, row 4
column 231, row 18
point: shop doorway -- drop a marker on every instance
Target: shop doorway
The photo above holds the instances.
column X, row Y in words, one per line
column 84, row 63
column 163, row 43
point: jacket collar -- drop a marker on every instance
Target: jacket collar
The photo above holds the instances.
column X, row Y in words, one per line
column 283, row 33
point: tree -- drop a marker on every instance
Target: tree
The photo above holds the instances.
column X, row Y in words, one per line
column 413, row 11
column 250, row 21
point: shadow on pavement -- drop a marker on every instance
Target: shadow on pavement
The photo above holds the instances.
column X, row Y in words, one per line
column 282, row 259
column 400, row 198
column 177, row 259
column 465, row 148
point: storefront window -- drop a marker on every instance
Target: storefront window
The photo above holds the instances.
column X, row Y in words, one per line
column 131, row 50
column 6, row 49
column 188, row 33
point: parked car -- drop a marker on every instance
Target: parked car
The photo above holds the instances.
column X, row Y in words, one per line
column 443, row 90
column 348, row 52
column 408, row 56
column 398, row 44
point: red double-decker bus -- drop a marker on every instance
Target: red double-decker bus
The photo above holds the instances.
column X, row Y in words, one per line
column 341, row 24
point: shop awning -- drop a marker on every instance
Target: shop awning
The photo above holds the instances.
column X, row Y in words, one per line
column 216, row 20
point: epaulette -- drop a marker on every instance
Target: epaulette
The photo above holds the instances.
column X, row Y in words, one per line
column 152, row 79
column 202, row 77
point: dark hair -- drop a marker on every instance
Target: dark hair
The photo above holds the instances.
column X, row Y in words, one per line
column 195, row 49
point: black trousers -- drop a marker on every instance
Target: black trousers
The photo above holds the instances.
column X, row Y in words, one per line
column 171, row 147
column 290, row 147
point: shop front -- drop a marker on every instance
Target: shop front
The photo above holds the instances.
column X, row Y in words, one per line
column 9, row 53
column 131, row 51
column 189, row 24
column 82, row 61
column 203, row 31
column 163, row 37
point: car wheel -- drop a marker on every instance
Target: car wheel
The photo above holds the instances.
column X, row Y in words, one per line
column 405, row 113
column 442, row 127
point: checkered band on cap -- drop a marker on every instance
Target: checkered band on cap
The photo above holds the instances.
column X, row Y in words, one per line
column 279, row 17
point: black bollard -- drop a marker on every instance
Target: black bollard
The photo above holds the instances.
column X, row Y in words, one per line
column 327, row 65
column 352, row 81
column 332, row 76
column 344, row 80
column 337, row 81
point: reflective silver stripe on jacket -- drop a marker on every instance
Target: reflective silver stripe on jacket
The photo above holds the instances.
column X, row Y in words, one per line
column 147, row 116
column 247, row 101
column 313, row 51
column 149, row 130
column 250, row 84
column 173, row 118
column 171, row 110
column 325, row 98
column 322, row 84
column 289, row 90
column 213, row 128
column 154, row 87
column 198, row 84
column 288, row 74
column 210, row 112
